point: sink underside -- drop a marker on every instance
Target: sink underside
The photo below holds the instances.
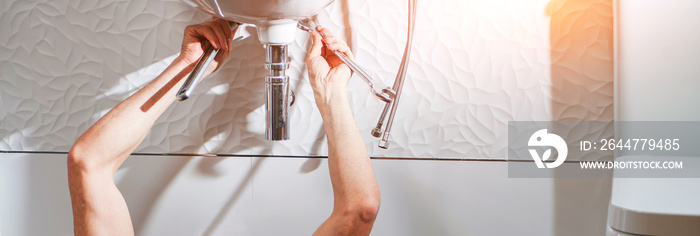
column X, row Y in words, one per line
column 257, row 11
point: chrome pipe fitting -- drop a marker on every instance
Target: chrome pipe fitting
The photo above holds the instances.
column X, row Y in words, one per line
column 276, row 61
column 277, row 93
column 277, row 108
column 198, row 72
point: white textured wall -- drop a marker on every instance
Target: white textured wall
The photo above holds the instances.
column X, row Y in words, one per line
column 475, row 66
column 170, row 195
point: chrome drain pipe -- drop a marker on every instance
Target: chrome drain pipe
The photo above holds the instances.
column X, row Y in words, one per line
column 277, row 93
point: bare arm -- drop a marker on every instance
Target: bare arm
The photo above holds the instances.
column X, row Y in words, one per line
column 355, row 190
column 98, row 206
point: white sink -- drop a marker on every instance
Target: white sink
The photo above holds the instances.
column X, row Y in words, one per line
column 256, row 11
column 276, row 19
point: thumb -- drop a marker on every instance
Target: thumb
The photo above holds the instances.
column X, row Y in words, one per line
column 317, row 46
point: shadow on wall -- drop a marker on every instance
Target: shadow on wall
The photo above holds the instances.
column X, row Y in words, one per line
column 581, row 38
column 63, row 63
column 233, row 199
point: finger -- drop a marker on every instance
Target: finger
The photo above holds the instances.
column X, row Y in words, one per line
column 336, row 44
column 317, row 47
column 329, row 54
column 220, row 36
column 219, row 59
column 226, row 28
column 325, row 32
column 206, row 31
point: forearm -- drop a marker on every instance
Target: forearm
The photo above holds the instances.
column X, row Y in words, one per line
column 349, row 163
column 355, row 190
column 113, row 137
column 98, row 207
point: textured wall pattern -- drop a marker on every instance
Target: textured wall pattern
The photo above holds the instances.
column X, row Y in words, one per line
column 475, row 66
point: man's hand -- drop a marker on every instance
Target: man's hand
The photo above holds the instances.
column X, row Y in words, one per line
column 197, row 38
column 327, row 73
